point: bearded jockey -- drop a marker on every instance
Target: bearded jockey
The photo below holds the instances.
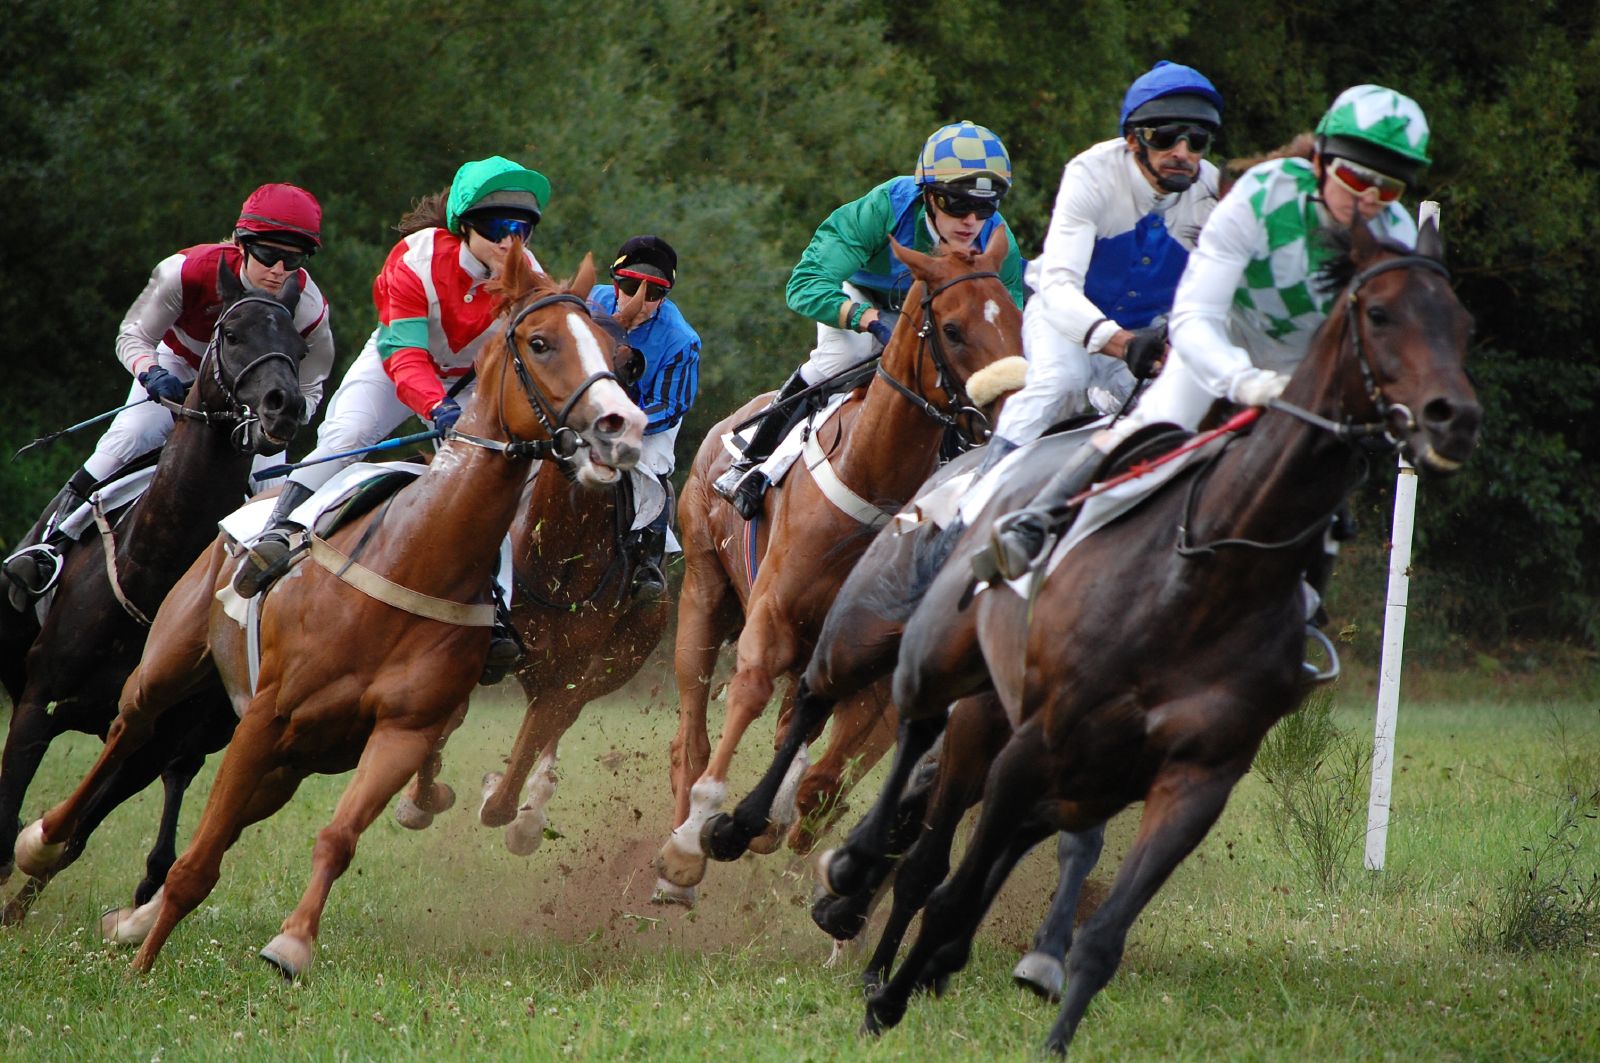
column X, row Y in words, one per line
column 164, row 336
column 850, row 283
column 665, row 389
column 1126, row 218
column 1248, row 303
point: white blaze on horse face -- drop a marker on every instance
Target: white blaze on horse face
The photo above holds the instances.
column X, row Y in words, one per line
column 991, row 311
column 607, row 396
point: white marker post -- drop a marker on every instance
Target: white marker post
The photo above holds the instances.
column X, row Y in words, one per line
column 1394, row 634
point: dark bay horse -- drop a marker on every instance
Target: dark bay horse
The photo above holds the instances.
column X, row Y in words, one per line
column 66, row 674
column 1149, row 665
column 379, row 698
column 883, row 443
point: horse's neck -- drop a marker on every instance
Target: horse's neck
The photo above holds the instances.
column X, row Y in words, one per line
column 563, row 521
column 200, row 479
column 892, row 445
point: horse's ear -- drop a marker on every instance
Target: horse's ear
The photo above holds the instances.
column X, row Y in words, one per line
column 516, row 276
column 1363, row 245
column 1429, row 242
column 583, row 280
column 289, row 294
column 921, row 266
column 228, row 284
column 994, row 256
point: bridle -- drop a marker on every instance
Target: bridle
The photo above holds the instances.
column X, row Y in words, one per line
column 241, row 416
column 961, row 404
column 563, row 442
column 1382, row 433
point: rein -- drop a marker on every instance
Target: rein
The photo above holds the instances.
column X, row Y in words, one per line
column 240, row 416
column 946, row 378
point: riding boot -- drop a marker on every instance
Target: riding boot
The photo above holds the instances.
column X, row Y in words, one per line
column 648, row 549
column 32, row 568
column 1017, row 537
column 744, row 484
column 505, row 647
column 994, row 452
column 268, row 557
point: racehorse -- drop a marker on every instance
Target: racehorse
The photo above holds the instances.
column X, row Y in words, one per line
column 405, row 583
column 64, row 674
column 586, row 635
column 1150, row 663
column 782, row 571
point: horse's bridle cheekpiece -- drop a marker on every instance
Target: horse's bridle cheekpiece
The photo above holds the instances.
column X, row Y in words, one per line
column 961, row 404
column 240, row 416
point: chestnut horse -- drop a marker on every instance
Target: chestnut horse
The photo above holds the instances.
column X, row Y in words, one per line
column 378, row 698
column 883, row 443
column 1149, row 665
column 64, row 675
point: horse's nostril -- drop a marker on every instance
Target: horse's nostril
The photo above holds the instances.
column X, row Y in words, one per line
column 611, row 424
column 273, row 401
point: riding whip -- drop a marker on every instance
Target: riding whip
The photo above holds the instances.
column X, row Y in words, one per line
column 272, row 471
column 96, row 419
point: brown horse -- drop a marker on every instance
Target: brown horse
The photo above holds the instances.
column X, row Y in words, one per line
column 379, row 698
column 64, row 674
column 1148, row 669
column 585, row 633
column 882, row 444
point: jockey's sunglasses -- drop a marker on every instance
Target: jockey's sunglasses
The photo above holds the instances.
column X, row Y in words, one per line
column 1166, row 137
column 496, row 227
column 959, row 206
column 270, row 256
column 628, row 282
column 1358, row 179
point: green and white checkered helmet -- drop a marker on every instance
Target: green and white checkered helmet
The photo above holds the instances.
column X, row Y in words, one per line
column 1377, row 127
column 967, row 155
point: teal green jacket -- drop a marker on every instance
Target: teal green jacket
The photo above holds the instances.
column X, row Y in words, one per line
column 853, row 245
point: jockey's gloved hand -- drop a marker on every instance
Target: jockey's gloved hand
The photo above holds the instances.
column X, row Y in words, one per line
column 1146, row 351
column 1256, row 387
column 161, row 384
column 882, row 327
column 445, row 414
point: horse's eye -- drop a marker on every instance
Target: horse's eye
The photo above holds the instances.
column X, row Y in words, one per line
column 537, row 345
column 1377, row 315
column 228, row 334
column 952, row 332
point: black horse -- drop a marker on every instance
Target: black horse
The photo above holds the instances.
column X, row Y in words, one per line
column 67, row 674
column 1149, row 665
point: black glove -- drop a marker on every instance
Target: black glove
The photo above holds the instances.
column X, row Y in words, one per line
column 1147, row 348
column 163, row 385
column 883, row 326
column 445, row 414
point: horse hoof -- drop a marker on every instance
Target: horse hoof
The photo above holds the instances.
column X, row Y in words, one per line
column 111, row 922
column 441, row 799
column 525, row 835
column 670, row 893
column 871, row 981
column 881, row 1014
column 130, row 926
column 768, row 840
column 411, row 815
column 838, row 917
column 721, row 839
column 289, row 955
column 1042, row 974
column 35, row 856
column 679, row 867
column 802, row 839
column 493, row 815
column 841, row 873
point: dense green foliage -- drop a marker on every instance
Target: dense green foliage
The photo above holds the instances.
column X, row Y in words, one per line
column 733, row 127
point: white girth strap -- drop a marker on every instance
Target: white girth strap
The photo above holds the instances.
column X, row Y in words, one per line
column 373, row 585
column 835, row 491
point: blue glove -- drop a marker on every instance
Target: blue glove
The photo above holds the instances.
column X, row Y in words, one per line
column 163, row 385
column 445, row 414
column 883, row 327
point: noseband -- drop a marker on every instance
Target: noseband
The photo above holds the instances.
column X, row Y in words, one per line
column 961, row 404
column 564, row 441
column 240, row 415
column 1379, row 434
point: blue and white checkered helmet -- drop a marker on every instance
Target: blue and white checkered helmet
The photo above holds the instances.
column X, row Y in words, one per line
column 966, row 155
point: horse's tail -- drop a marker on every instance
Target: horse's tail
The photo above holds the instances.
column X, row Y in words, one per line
column 901, row 588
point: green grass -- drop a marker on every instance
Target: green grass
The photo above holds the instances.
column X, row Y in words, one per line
column 441, row 945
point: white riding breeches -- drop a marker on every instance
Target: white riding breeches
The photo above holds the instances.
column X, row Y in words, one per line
column 839, row 349
column 140, row 429
column 1061, row 375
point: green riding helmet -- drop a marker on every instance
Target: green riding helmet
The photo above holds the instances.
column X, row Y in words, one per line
column 495, row 182
column 1377, row 127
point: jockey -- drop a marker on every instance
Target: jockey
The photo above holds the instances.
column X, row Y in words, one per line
column 665, row 390
column 1248, row 303
column 850, row 283
column 164, row 336
column 1126, row 217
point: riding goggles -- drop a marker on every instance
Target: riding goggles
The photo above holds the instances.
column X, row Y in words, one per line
column 959, row 206
column 496, row 227
column 270, row 256
column 1358, row 179
column 1166, row 137
column 655, row 289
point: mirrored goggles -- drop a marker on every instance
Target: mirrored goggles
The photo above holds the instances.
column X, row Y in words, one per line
column 1358, row 179
column 496, row 227
column 1166, row 137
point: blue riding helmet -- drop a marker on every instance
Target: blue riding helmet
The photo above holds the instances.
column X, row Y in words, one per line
column 1170, row 92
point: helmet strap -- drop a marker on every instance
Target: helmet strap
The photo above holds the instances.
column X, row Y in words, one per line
column 1178, row 183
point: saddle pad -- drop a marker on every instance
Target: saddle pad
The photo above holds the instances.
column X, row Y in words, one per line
column 113, row 496
column 785, row 453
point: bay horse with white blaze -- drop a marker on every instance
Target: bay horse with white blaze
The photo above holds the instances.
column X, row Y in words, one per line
column 379, row 698
column 1151, row 662
column 781, row 573
column 65, row 674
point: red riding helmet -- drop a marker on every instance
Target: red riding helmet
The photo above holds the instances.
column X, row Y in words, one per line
column 283, row 212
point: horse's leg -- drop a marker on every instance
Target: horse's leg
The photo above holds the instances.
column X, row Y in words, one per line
column 1182, row 803
column 33, row 728
column 863, row 731
column 951, row 916
column 392, row 755
column 1041, row 969
column 525, row 834
column 427, row 796
column 727, row 837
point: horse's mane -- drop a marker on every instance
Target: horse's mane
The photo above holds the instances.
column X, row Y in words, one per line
column 1298, row 148
column 1338, row 270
